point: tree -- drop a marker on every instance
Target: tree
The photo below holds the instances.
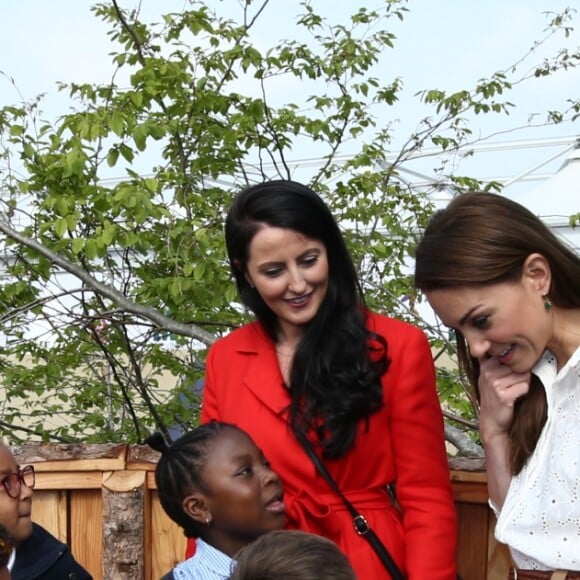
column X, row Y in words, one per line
column 96, row 271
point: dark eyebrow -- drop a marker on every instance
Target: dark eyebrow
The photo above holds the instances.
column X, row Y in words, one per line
column 309, row 252
column 242, row 457
column 300, row 257
column 464, row 318
column 267, row 265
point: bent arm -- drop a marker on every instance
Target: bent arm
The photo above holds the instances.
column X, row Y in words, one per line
column 499, row 388
column 497, row 465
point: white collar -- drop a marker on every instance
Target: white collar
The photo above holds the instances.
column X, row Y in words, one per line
column 11, row 560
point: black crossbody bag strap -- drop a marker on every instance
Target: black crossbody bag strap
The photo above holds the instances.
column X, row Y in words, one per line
column 360, row 524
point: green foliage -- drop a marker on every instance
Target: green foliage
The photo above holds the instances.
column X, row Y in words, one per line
column 113, row 285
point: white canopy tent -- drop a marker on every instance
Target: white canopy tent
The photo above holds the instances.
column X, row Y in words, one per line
column 557, row 198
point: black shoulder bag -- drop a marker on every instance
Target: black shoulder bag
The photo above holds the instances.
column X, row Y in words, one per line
column 360, row 524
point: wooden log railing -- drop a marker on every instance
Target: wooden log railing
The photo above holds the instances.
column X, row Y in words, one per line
column 102, row 500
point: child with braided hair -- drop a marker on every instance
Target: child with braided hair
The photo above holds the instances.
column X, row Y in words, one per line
column 217, row 485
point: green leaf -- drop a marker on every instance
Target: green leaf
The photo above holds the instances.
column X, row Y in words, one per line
column 199, row 271
column 140, row 137
column 157, row 131
column 116, row 124
column 91, row 249
column 126, row 152
column 175, row 289
column 16, row 130
column 60, row 227
column 77, row 245
column 108, row 234
column 136, row 99
column 71, row 222
column 151, row 184
column 112, row 157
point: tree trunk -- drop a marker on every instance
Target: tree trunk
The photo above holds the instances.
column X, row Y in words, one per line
column 124, row 497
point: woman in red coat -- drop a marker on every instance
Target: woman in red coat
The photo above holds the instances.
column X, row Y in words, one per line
column 360, row 386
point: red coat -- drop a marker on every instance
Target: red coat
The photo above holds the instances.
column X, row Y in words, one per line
column 404, row 443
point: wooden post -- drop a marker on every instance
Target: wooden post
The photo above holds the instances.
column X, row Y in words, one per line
column 164, row 539
column 480, row 556
column 124, row 500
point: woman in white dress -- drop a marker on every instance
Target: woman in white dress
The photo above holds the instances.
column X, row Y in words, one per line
column 510, row 289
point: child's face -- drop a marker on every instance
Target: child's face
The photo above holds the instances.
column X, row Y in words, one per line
column 14, row 512
column 243, row 495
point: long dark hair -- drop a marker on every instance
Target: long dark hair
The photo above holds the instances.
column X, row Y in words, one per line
column 179, row 470
column 333, row 381
column 483, row 238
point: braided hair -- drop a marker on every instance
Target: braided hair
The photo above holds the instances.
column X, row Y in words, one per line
column 180, row 467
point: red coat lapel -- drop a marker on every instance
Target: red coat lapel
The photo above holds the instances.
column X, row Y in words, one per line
column 262, row 374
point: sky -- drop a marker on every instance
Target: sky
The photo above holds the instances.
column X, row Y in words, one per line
column 446, row 44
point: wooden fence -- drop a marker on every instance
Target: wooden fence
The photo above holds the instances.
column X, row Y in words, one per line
column 102, row 501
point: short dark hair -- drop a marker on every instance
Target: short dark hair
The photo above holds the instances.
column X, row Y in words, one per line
column 292, row 555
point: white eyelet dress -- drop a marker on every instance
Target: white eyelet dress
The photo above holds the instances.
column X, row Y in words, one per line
column 540, row 518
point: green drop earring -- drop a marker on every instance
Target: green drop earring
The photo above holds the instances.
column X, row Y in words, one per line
column 547, row 302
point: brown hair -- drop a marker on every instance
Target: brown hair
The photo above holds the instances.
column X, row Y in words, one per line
column 292, row 555
column 484, row 238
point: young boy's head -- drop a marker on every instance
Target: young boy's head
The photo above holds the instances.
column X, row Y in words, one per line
column 216, row 484
column 292, row 555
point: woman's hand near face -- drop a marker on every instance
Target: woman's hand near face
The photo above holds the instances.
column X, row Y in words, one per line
column 499, row 389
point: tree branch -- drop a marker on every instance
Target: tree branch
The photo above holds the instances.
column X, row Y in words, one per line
column 162, row 321
column 32, row 431
column 465, row 445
